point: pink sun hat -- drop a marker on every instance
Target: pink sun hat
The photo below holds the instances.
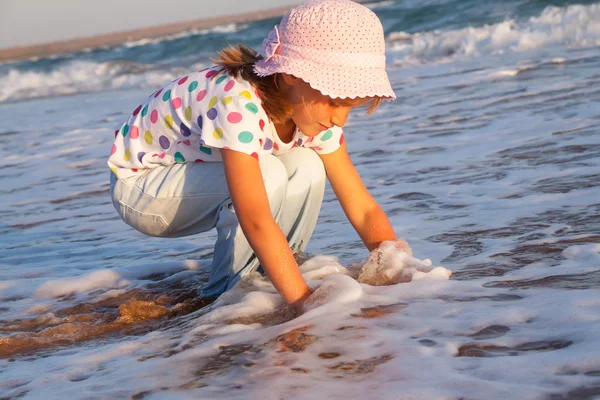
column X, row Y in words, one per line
column 337, row 46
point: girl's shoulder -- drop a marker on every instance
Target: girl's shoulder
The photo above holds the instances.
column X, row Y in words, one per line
column 204, row 90
column 213, row 81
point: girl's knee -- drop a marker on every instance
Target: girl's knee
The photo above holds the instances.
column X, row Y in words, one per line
column 274, row 174
column 304, row 165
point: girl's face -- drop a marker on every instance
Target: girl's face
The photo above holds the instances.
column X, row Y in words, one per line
column 313, row 111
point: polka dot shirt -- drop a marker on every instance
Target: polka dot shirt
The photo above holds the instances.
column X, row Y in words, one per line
column 193, row 117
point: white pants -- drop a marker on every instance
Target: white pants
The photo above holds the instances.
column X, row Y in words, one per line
column 190, row 198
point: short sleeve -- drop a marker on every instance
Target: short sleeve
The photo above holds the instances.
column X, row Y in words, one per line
column 236, row 123
column 327, row 141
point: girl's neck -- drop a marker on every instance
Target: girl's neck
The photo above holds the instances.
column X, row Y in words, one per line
column 286, row 131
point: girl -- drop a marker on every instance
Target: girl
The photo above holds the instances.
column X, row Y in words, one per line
column 245, row 146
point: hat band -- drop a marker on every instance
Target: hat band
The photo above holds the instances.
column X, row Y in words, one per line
column 339, row 59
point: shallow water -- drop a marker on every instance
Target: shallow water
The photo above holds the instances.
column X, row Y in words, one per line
column 488, row 164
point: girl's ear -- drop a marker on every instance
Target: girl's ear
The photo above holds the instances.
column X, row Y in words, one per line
column 289, row 80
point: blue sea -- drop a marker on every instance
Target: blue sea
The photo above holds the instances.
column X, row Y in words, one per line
column 488, row 164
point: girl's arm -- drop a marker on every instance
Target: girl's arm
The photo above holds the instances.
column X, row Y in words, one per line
column 251, row 204
column 363, row 212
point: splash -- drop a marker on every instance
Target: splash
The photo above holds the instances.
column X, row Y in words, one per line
column 250, row 305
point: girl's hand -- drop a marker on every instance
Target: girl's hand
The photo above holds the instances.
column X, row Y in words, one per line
column 298, row 305
column 401, row 244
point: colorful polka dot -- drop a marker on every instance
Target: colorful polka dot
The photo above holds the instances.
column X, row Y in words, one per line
column 229, row 85
column 342, row 139
column 261, row 123
column 211, row 73
column 245, row 137
column 127, row 156
column 221, row 79
column 114, row 149
column 268, row 144
column 218, row 133
column 201, row 95
column 188, row 113
column 193, row 86
column 234, row 117
column 185, row 131
column 255, row 155
column 252, row 108
column 199, row 160
column 134, row 133
column 148, row 137
column 182, row 80
column 157, row 93
column 137, row 110
column 275, row 146
column 212, row 114
column 300, row 142
column 179, row 158
column 154, row 116
column 200, row 121
column 169, row 122
column 167, row 95
column 140, row 156
column 213, row 101
column 116, row 133
column 125, row 130
column 246, row 94
column 176, row 102
column 328, row 135
column 206, row 150
column 144, row 111
column 226, row 100
column 164, row 142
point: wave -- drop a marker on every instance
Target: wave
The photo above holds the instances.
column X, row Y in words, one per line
column 85, row 76
column 223, row 29
column 575, row 25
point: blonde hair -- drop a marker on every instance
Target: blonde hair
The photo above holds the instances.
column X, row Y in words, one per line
column 239, row 61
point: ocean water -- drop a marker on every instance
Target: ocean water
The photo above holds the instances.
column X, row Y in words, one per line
column 488, row 164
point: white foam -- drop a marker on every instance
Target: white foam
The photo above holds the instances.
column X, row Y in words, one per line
column 390, row 265
column 102, row 279
column 82, row 76
column 379, row 4
column 575, row 25
column 226, row 28
column 408, row 338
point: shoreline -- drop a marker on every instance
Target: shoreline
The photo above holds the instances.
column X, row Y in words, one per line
column 22, row 53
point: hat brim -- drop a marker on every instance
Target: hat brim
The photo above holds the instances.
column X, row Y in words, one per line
column 331, row 80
